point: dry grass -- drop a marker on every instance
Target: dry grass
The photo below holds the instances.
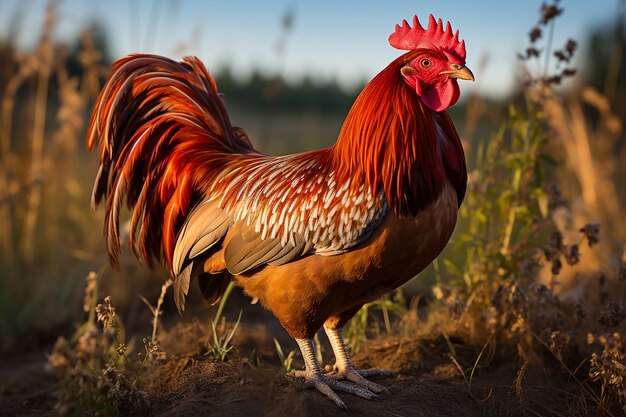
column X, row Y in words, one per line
column 42, row 187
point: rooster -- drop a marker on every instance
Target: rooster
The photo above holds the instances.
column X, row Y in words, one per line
column 313, row 236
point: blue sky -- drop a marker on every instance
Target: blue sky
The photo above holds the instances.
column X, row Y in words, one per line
column 342, row 39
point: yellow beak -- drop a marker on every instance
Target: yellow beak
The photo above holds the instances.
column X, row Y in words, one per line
column 460, row 72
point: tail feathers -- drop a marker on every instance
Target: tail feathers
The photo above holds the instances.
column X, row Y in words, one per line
column 163, row 135
column 181, row 287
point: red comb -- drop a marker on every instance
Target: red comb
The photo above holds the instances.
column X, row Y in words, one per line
column 410, row 38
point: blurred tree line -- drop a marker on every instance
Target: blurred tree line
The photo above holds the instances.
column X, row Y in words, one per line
column 602, row 68
column 260, row 91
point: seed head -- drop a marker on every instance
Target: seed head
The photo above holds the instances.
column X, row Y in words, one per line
column 106, row 313
column 591, row 232
column 612, row 317
column 535, row 33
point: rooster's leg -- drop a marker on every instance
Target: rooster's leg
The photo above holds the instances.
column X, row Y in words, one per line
column 314, row 378
column 344, row 370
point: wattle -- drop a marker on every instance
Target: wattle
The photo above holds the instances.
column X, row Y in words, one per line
column 440, row 96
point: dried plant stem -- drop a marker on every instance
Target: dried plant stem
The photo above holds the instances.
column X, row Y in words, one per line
column 599, row 401
column 6, row 213
column 546, row 64
column 157, row 311
column 508, row 231
column 92, row 300
column 585, row 167
column 8, row 103
column 386, row 318
column 39, row 123
column 590, row 166
column 6, row 222
column 468, row 381
column 36, row 167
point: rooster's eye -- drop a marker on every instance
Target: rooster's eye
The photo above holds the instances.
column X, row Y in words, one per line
column 426, row 63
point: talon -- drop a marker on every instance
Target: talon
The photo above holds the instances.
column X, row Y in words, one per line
column 376, row 372
column 354, row 389
column 319, row 384
column 344, row 370
column 314, row 378
column 326, row 386
column 357, row 377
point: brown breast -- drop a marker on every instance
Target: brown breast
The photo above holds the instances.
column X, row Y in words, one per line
column 304, row 293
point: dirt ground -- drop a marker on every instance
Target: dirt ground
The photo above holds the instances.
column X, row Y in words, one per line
column 191, row 385
column 251, row 383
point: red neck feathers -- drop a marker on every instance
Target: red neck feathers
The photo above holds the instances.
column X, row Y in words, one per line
column 389, row 141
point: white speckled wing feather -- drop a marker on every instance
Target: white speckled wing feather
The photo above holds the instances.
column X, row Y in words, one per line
column 284, row 208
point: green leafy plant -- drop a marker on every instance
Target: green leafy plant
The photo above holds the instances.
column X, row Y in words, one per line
column 505, row 216
column 355, row 333
column 506, row 202
column 285, row 361
column 219, row 346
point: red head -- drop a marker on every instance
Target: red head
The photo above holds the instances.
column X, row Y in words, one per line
column 440, row 61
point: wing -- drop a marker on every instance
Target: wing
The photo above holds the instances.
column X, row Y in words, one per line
column 273, row 210
column 206, row 225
